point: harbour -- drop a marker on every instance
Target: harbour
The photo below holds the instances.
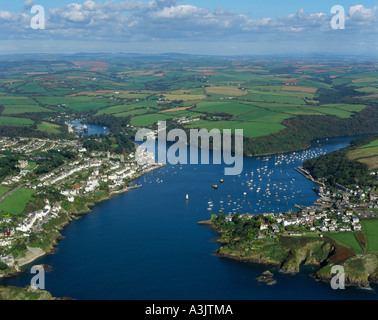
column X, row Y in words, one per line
column 146, row 244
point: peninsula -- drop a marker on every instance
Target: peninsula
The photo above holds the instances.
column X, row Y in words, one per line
column 340, row 229
column 47, row 183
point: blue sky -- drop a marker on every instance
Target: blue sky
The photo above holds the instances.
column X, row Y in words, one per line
column 276, row 8
column 252, row 8
column 190, row 26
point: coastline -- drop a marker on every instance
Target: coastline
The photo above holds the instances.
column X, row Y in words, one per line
column 360, row 269
column 34, row 253
column 258, row 260
column 31, row 255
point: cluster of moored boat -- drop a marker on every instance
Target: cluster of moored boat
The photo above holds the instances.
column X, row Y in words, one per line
column 266, row 188
column 261, row 187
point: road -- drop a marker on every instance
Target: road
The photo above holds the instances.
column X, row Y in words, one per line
column 11, row 192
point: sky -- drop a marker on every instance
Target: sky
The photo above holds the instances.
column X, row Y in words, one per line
column 220, row 27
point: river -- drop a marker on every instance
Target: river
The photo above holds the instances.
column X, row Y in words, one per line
column 146, row 244
column 92, row 129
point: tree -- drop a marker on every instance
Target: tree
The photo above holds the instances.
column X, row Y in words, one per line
column 3, row 266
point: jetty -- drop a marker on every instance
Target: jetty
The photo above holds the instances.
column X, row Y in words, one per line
column 307, row 175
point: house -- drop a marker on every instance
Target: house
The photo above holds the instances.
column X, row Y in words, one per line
column 7, row 259
column 355, row 220
column 357, row 227
column 22, row 164
column 290, row 222
column 263, row 226
column 228, row 218
column 7, row 232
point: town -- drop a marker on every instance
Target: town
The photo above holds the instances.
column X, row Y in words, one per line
column 338, row 209
column 64, row 188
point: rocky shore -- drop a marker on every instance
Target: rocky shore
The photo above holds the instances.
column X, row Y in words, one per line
column 27, row 293
column 288, row 254
column 53, row 233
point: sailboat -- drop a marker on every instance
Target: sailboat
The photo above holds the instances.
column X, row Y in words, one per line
column 187, row 197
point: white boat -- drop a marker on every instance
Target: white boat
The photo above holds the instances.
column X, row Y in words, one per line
column 187, row 197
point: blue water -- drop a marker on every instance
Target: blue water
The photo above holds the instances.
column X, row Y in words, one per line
column 92, row 129
column 146, row 244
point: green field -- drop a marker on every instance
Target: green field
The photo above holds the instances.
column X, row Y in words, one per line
column 367, row 154
column 3, row 190
column 134, row 112
column 118, row 109
column 16, row 122
column 296, row 110
column 19, row 109
column 255, row 95
column 272, row 97
column 233, row 108
column 148, row 119
column 372, row 144
column 347, row 239
column 371, row 229
column 332, row 111
column 10, row 100
column 48, row 127
column 250, row 129
column 347, row 107
column 262, row 115
column 80, row 104
column 15, row 203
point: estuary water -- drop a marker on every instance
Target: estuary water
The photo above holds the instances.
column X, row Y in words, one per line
column 92, row 129
column 146, row 244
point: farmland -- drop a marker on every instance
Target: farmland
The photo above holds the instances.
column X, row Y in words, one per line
column 3, row 190
column 15, row 203
column 367, row 154
column 264, row 98
column 371, row 228
column 351, row 239
column 15, row 122
column 48, row 127
column 347, row 239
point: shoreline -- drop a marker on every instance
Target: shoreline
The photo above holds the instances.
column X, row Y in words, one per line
column 303, row 255
column 34, row 253
column 75, row 215
column 31, row 255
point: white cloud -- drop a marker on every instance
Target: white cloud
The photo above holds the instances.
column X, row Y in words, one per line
column 179, row 12
column 6, row 16
column 90, row 5
column 159, row 20
column 28, row 4
column 361, row 13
